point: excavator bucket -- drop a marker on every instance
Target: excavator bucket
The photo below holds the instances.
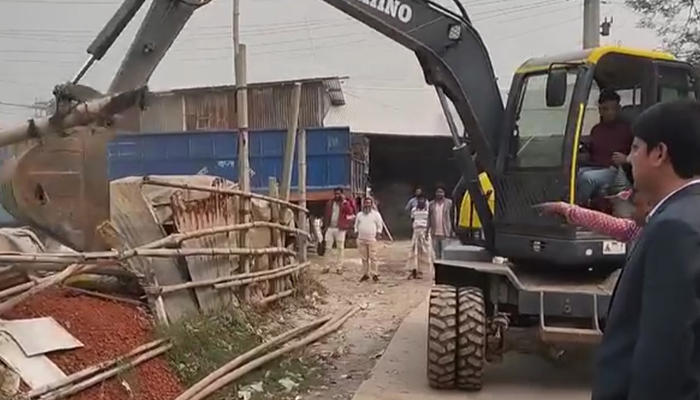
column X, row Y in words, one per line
column 60, row 186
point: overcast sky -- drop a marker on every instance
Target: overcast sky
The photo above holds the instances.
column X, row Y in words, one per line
column 43, row 42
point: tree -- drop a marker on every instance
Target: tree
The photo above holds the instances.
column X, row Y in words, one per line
column 676, row 21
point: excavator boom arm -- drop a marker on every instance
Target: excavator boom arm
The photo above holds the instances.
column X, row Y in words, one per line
column 159, row 29
column 451, row 54
column 454, row 59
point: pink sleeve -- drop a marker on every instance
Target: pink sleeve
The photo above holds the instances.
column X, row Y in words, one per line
column 620, row 229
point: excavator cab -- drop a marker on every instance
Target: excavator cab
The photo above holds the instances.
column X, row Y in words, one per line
column 550, row 112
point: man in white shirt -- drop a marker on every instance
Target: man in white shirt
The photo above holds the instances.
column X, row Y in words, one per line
column 368, row 226
column 420, row 258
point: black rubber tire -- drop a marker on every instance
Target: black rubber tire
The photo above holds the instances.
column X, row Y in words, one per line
column 442, row 337
column 471, row 338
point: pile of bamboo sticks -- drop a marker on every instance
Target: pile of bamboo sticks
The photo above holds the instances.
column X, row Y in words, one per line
column 259, row 356
column 71, row 264
column 98, row 373
column 215, row 381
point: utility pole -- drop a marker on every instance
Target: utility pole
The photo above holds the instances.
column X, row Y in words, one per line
column 241, row 81
column 236, row 37
column 591, row 24
column 240, row 78
column 303, row 218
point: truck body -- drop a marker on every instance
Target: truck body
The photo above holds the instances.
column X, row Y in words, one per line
column 335, row 158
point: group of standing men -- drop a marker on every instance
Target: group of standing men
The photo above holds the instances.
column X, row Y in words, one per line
column 433, row 226
column 340, row 217
column 432, row 222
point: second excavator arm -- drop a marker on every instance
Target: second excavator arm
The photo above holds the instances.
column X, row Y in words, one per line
column 60, row 184
column 454, row 59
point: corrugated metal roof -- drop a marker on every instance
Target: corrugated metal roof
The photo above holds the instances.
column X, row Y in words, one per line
column 389, row 111
column 408, row 111
column 332, row 85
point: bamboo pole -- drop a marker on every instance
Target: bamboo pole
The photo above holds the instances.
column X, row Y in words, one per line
column 156, row 182
column 235, row 363
column 45, row 283
column 328, row 328
column 290, row 143
column 275, row 237
column 302, row 217
column 177, row 238
column 247, row 281
column 110, row 373
column 104, row 296
column 277, row 296
column 99, row 267
column 211, row 252
column 82, row 258
column 243, row 157
column 17, row 289
column 211, row 282
column 92, row 370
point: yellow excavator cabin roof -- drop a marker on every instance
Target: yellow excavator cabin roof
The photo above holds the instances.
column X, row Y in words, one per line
column 591, row 56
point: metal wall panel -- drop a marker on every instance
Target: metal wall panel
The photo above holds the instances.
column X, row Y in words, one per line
column 215, row 108
column 163, row 114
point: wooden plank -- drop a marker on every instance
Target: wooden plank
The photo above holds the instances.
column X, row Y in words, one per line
column 217, row 210
column 275, row 235
column 35, row 371
column 133, row 217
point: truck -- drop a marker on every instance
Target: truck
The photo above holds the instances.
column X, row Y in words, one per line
column 335, row 158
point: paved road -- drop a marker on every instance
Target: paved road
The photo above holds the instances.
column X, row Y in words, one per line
column 400, row 373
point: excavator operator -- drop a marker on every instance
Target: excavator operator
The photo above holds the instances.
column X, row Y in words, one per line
column 608, row 146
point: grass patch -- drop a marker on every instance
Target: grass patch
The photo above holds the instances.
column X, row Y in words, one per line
column 204, row 343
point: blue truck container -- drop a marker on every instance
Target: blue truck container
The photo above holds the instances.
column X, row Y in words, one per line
column 335, row 157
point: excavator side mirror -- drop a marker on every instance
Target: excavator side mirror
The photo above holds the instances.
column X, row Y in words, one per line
column 556, row 87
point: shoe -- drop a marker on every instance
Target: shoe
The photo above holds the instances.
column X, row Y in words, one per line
column 413, row 274
column 375, row 278
column 364, row 278
column 419, row 275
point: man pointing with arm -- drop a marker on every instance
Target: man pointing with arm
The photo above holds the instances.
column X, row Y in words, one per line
column 651, row 345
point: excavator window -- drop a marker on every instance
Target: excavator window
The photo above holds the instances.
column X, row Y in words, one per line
column 540, row 131
column 675, row 83
column 630, row 101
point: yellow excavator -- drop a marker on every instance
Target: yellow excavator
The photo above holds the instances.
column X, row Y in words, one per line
column 525, row 274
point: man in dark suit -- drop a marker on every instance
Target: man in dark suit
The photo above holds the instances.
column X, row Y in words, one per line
column 651, row 346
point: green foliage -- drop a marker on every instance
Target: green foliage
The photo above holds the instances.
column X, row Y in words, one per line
column 204, row 343
column 676, row 21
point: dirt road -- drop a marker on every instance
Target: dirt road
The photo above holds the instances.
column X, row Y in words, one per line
column 400, row 373
column 351, row 354
column 361, row 364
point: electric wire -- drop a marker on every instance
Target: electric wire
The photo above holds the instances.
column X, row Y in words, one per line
column 212, row 32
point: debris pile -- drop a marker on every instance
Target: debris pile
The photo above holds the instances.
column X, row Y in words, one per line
column 107, row 330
